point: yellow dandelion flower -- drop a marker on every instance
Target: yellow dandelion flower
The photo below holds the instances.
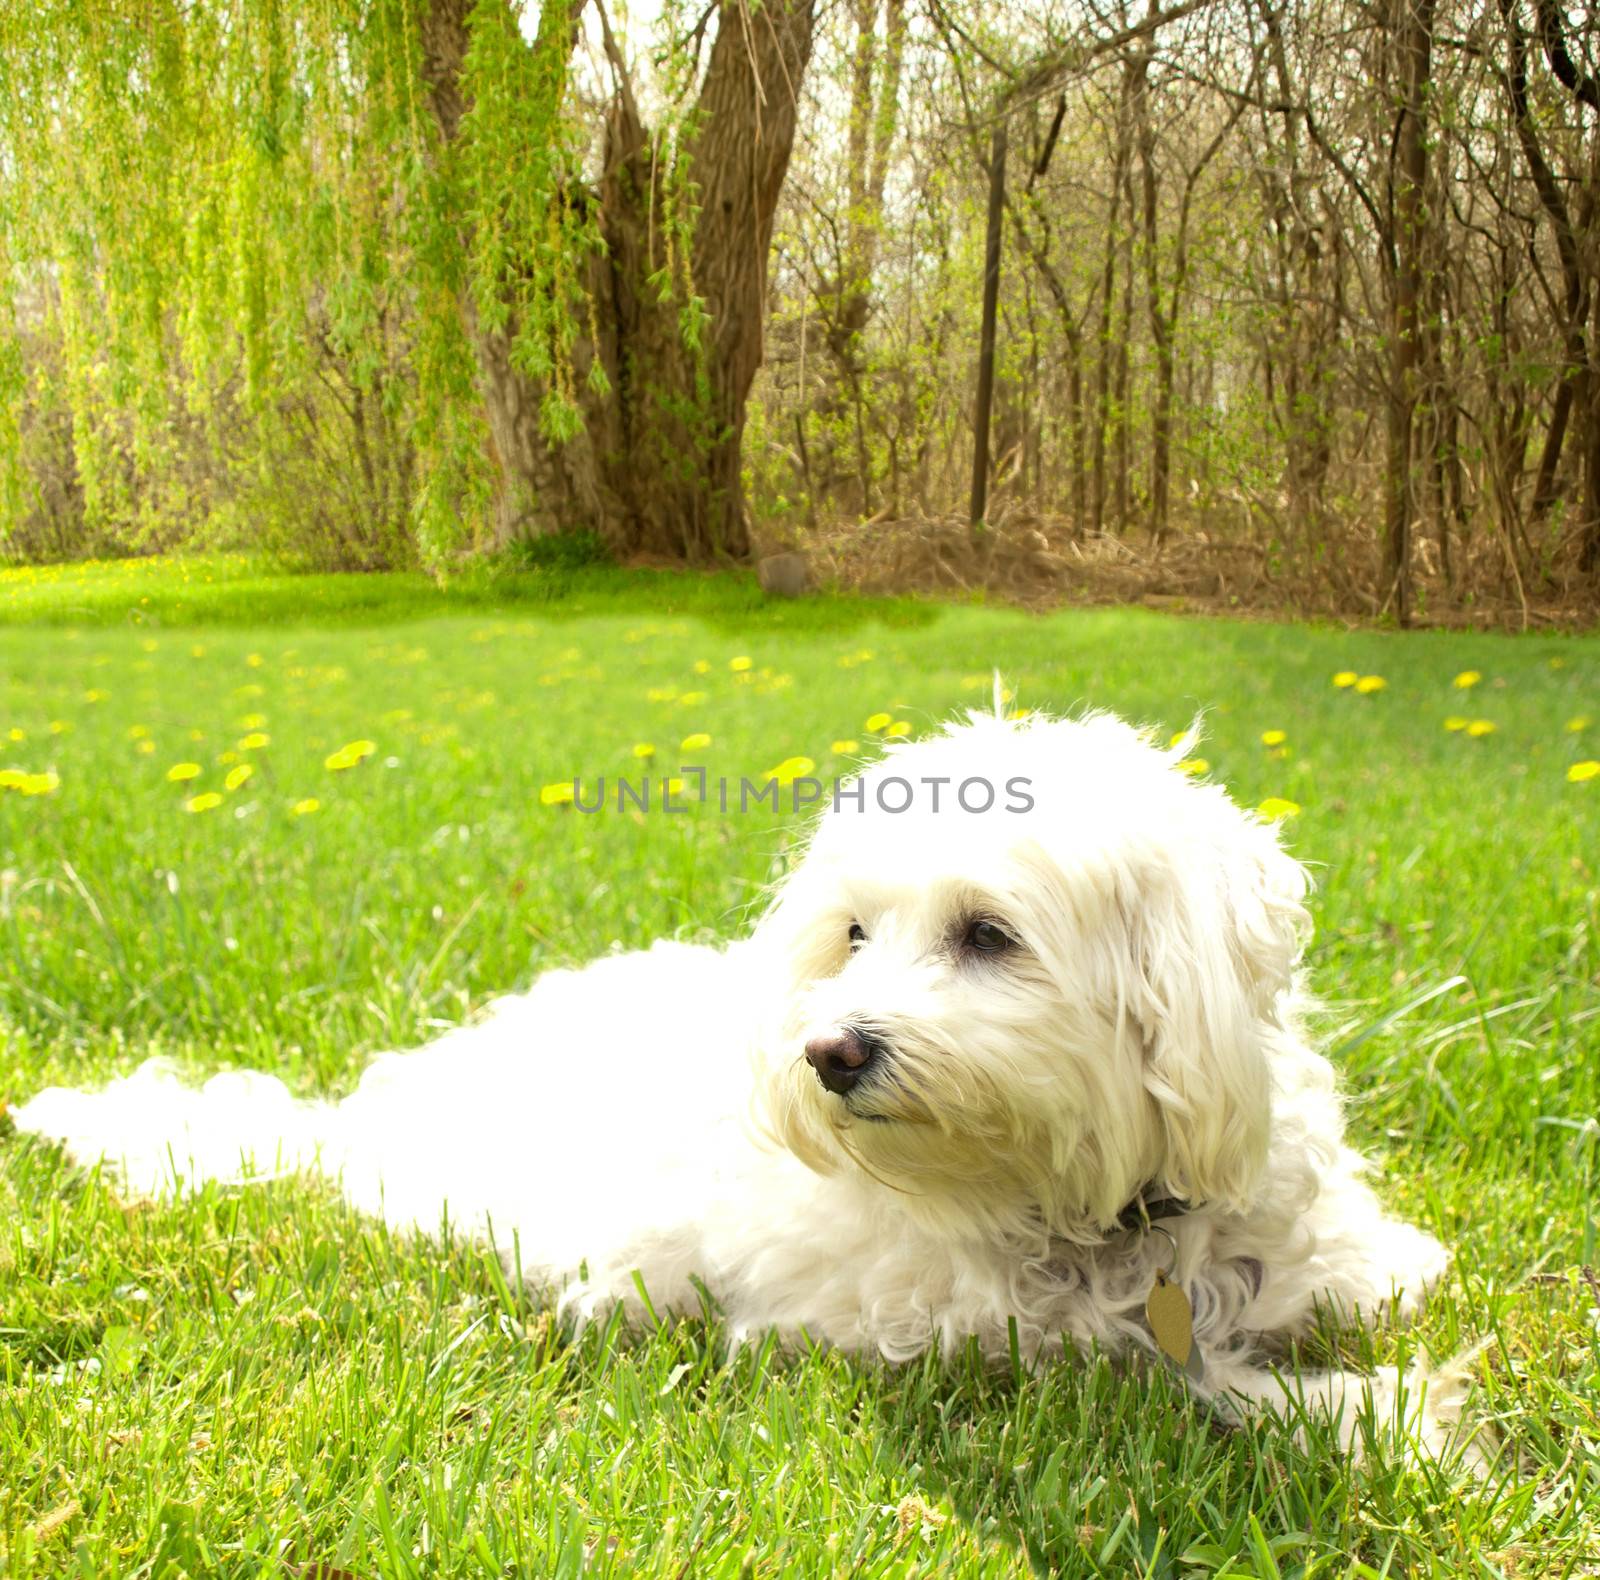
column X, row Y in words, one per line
column 40, row 784
column 559, row 794
column 254, row 660
column 839, row 748
column 14, row 734
column 137, row 732
column 237, row 776
column 1467, row 679
column 1193, row 766
column 694, row 743
column 254, row 741
column 879, row 721
column 60, row 727
column 673, row 786
column 1275, row 808
column 147, row 748
column 739, row 665
column 1177, row 737
column 1017, row 714
column 1579, row 772
column 644, row 751
column 1370, row 683
column 202, row 803
column 1480, row 727
column 1456, row 722
column 1582, row 722
column 1345, row 677
column 304, row 808
column 95, row 695
column 702, row 667
column 181, row 773
column 197, row 735
column 197, row 651
column 790, row 769
column 348, row 756
column 11, row 778
column 1274, row 737
column 899, row 730
column 253, row 721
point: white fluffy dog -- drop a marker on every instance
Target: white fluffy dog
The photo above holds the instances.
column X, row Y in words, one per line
column 992, row 1072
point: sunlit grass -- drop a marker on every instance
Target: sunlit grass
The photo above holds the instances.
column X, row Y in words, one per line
column 261, row 1377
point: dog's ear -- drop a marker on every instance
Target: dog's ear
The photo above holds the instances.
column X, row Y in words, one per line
column 1214, row 949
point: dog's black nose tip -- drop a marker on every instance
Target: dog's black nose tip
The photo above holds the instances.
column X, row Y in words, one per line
column 840, row 1059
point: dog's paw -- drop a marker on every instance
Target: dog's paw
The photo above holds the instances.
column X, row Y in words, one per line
column 1452, row 1430
column 1427, row 1412
column 1421, row 1415
column 1408, row 1262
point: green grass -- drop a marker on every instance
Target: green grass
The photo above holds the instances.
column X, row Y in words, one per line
column 258, row 1378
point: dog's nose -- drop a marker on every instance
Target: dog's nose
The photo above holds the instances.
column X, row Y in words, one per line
column 841, row 1059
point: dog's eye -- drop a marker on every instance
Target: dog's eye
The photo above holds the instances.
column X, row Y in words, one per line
column 988, row 939
column 858, row 935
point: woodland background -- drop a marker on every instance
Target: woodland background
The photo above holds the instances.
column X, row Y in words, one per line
column 1296, row 305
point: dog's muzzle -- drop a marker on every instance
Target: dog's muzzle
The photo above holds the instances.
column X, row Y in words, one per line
column 842, row 1058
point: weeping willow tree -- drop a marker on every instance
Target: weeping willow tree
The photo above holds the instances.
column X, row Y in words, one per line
column 373, row 279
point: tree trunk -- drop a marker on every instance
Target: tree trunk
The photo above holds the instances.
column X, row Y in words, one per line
column 845, row 298
column 1037, row 248
column 1300, row 349
column 1108, row 327
column 1412, row 40
column 1589, row 529
column 1164, row 318
column 677, row 311
column 1123, row 395
column 979, row 499
column 1578, row 396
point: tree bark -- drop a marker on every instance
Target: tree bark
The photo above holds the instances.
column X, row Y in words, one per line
column 1025, row 214
column 1583, row 381
column 979, row 501
column 1164, row 317
column 1072, row 340
column 1108, row 330
column 1412, row 42
column 846, row 297
column 1304, row 291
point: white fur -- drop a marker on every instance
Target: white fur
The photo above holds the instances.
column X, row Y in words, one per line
column 651, row 1116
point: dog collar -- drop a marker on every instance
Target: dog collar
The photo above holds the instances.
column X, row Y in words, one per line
column 1168, row 1313
column 1143, row 1211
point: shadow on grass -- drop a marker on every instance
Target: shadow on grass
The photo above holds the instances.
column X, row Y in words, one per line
column 1091, row 1467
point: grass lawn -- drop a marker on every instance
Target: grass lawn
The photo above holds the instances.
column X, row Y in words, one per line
column 257, row 1378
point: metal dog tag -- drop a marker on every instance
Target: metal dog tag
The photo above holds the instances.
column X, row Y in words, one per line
column 1171, row 1320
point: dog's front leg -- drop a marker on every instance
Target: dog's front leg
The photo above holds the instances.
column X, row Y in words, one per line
column 1419, row 1412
